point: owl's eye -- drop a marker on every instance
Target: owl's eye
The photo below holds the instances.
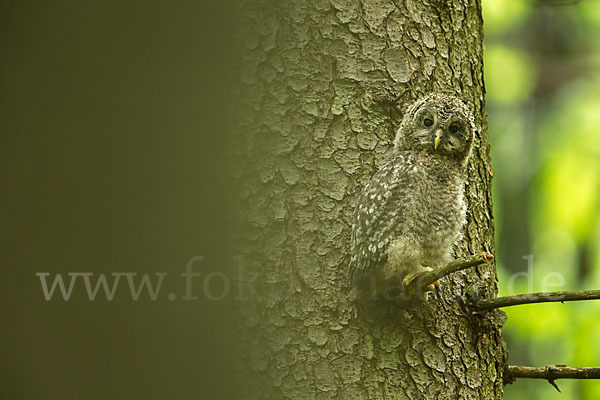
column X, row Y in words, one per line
column 427, row 122
column 453, row 128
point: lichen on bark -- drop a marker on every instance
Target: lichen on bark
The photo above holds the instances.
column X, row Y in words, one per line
column 323, row 87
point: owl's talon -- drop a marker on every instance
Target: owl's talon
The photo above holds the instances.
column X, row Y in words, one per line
column 410, row 288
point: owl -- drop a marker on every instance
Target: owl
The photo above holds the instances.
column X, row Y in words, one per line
column 412, row 212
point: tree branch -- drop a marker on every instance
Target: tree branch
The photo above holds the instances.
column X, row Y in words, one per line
column 454, row 266
column 531, row 298
column 550, row 373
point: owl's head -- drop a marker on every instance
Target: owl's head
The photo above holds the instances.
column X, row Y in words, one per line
column 437, row 124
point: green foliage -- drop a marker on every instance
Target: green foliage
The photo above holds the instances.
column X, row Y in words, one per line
column 570, row 174
column 502, row 15
column 543, row 92
column 509, row 76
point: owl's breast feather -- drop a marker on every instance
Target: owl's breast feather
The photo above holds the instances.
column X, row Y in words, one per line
column 444, row 208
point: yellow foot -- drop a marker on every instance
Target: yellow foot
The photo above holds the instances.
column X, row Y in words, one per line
column 410, row 287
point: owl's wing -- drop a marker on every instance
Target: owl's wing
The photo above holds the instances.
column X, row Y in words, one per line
column 379, row 215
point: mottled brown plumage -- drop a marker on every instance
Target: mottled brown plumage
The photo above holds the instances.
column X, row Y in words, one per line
column 412, row 212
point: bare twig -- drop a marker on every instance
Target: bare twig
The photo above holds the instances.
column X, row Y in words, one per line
column 453, row 266
column 531, row 298
column 550, row 373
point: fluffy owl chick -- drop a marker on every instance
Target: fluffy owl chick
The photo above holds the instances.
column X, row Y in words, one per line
column 412, row 211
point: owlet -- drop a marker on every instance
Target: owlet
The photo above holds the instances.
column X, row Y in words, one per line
column 412, row 212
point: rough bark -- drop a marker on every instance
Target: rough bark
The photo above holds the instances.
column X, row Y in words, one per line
column 324, row 85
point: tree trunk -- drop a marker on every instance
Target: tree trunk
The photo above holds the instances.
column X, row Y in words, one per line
column 324, row 86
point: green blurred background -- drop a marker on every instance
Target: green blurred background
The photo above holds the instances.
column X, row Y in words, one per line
column 542, row 72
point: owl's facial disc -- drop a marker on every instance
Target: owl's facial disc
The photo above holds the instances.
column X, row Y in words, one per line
column 445, row 135
column 440, row 128
column 437, row 124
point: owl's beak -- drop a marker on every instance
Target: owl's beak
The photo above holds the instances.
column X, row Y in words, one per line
column 438, row 138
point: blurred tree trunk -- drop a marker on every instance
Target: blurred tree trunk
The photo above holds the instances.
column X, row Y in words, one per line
column 324, row 85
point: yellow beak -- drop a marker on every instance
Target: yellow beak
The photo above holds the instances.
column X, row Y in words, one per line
column 438, row 138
